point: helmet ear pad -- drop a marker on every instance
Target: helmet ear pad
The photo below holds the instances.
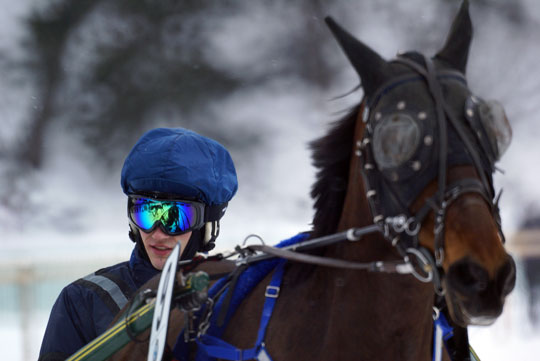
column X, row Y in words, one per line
column 201, row 240
column 211, row 232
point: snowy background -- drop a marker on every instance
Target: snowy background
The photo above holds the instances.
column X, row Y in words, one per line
column 66, row 218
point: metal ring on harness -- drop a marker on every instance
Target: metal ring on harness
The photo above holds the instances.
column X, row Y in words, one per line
column 412, row 231
column 422, row 265
column 253, row 236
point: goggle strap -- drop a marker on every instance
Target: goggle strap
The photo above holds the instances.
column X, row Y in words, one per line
column 214, row 212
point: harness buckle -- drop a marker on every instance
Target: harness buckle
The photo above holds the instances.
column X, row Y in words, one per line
column 272, row 292
column 439, row 256
column 401, row 223
column 205, row 323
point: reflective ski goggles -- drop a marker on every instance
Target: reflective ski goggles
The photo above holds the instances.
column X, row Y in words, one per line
column 173, row 216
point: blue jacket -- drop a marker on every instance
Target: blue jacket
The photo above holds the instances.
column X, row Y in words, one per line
column 86, row 307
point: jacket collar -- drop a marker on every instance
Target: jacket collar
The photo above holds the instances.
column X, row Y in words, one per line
column 141, row 267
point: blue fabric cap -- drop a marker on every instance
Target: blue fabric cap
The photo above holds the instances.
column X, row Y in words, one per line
column 181, row 162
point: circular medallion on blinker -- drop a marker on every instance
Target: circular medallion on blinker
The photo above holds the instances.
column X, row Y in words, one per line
column 395, row 140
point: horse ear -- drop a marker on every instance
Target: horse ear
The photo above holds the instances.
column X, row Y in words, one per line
column 367, row 63
column 456, row 49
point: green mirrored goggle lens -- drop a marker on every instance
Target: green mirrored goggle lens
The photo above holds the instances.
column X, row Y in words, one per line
column 175, row 216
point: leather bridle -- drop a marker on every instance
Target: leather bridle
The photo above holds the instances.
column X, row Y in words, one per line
column 402, row 229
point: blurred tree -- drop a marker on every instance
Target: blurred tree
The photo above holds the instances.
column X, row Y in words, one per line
column 106, row 70
column 49, row 31
column 111, row 69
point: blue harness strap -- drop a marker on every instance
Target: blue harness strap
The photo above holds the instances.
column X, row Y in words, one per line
column 442, row 332
column 211, row 346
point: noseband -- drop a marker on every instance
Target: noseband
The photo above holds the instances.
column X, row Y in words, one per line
column 390, row 212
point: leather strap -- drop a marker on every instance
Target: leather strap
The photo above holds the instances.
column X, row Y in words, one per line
column 215, row 347
column 232, row 286
column 379, row 266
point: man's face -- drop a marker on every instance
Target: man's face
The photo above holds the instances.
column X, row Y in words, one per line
column 159, row 245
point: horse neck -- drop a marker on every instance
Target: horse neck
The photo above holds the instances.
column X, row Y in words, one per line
column 396, row 304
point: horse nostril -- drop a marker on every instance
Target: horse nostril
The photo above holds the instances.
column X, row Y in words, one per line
column 467, row 276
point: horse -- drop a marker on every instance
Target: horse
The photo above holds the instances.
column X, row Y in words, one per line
column 415, row 158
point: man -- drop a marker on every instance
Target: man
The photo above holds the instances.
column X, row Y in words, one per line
column 178, row 185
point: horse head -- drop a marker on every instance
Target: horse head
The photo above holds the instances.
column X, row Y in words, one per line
column 427, row 153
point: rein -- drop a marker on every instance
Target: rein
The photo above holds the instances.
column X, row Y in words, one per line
column 415, row 262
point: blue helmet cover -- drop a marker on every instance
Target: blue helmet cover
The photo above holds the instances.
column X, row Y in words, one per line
column 180, row 162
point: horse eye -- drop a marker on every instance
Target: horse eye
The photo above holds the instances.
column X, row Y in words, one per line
column 395, row 140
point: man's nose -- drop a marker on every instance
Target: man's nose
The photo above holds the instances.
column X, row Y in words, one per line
column 159, row 234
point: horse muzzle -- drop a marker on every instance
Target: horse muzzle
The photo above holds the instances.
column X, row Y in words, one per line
column 475, row 298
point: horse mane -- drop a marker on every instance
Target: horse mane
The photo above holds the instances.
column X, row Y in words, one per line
column 331, row 156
